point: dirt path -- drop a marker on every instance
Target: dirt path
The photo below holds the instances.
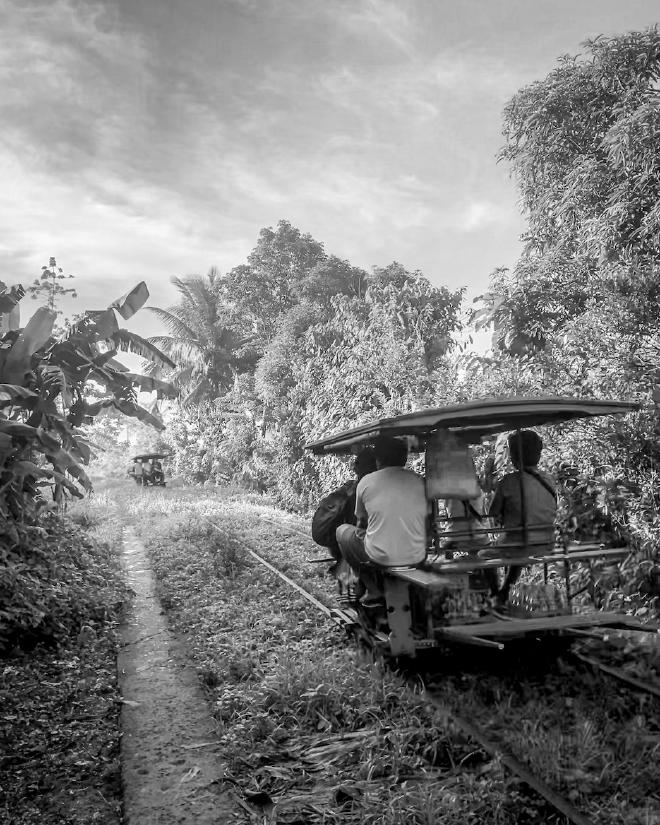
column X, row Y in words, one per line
column 170, row 770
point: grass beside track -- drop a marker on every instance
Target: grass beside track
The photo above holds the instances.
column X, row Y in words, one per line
column 59, row 706
column 306, row 721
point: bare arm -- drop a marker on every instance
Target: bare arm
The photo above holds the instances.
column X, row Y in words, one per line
column 360, row 511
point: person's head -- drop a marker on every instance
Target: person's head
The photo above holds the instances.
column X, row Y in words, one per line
column 390, row 452
column 525, row 449
column 365, row 462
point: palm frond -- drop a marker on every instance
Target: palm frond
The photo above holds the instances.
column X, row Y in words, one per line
column 176, row 325
column 197, row 393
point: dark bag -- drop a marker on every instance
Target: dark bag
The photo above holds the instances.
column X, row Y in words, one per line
column 335, row 509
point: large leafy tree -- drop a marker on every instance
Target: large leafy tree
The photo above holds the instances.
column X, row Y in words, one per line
column 272, row 280
column 207, row 339
column 375, row 356
column 584, row 146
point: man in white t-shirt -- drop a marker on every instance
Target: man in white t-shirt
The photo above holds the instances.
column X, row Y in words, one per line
column 391, row 511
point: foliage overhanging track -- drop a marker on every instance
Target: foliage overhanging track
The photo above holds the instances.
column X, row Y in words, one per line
column 514, row 765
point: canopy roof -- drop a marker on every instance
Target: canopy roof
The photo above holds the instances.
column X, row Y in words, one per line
column 148, row 456
column 473, row 420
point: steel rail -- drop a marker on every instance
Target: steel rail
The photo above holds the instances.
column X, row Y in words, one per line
column 305, row 593
column 312, row 599
column 288, row 527
column 631, row 681
column 514, row 765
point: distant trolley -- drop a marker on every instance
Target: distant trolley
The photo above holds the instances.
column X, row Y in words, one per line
column 147, row 469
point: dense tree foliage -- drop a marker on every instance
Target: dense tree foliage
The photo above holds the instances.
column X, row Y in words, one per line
column 579, row 314
column 583, row 145
column 333, row 345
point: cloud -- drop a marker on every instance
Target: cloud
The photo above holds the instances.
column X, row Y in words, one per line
column 390, row 19
column 130, row 154
column 72, row 78
column 479, row 215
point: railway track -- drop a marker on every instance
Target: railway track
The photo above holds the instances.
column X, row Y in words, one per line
column 490, row 745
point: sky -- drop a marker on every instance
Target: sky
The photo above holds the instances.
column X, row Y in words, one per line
column 145, row 139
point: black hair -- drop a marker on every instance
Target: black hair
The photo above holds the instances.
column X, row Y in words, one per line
column 365, row 462
column 390, row 452
column 530, row 444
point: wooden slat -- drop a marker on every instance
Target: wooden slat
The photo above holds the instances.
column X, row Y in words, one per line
column 467, row 565
column 427, row 578
column 517, row 627
column 588, row 555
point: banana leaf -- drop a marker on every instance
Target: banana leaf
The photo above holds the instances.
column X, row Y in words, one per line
column 117, row 365
column 105, row 324
column 36, row 333
column 64, row 481
column 147, row 383
column 18, row 429
column 134, row 410
column 29, row 468
column 56, row 383
column 93, row 409
column 94, row 325
column 8, row 300
column 47, row 441
column 130, row 342
column 11, row 395
column 63, row 461
column 12, row 392
column 80, row 449
column 130, row 303
column 104, row 358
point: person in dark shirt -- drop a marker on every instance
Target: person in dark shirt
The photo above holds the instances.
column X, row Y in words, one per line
column 524, row 497
column 338, row 507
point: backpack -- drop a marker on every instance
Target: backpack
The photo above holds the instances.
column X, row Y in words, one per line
column 335, row 509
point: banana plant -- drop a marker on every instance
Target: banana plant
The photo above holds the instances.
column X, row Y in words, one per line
column 44, row 383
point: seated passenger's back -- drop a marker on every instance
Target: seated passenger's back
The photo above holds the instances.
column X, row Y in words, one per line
column 531, row 485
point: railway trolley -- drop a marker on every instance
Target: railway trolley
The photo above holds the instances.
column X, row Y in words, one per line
column 446, row 600
column 147, row 469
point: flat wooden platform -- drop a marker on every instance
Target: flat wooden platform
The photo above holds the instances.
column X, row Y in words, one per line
column 500, row 628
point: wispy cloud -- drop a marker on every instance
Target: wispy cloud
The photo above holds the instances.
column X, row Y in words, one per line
column 478, row 215
column 389, row 19
column 147, row 139
column 71, row 79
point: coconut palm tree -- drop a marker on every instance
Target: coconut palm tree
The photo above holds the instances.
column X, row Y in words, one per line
column 205, row 341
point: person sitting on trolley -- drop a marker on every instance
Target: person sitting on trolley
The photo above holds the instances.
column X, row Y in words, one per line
column 392, row 516
column 338, row 507
column 525, row 505
column 157, row 472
